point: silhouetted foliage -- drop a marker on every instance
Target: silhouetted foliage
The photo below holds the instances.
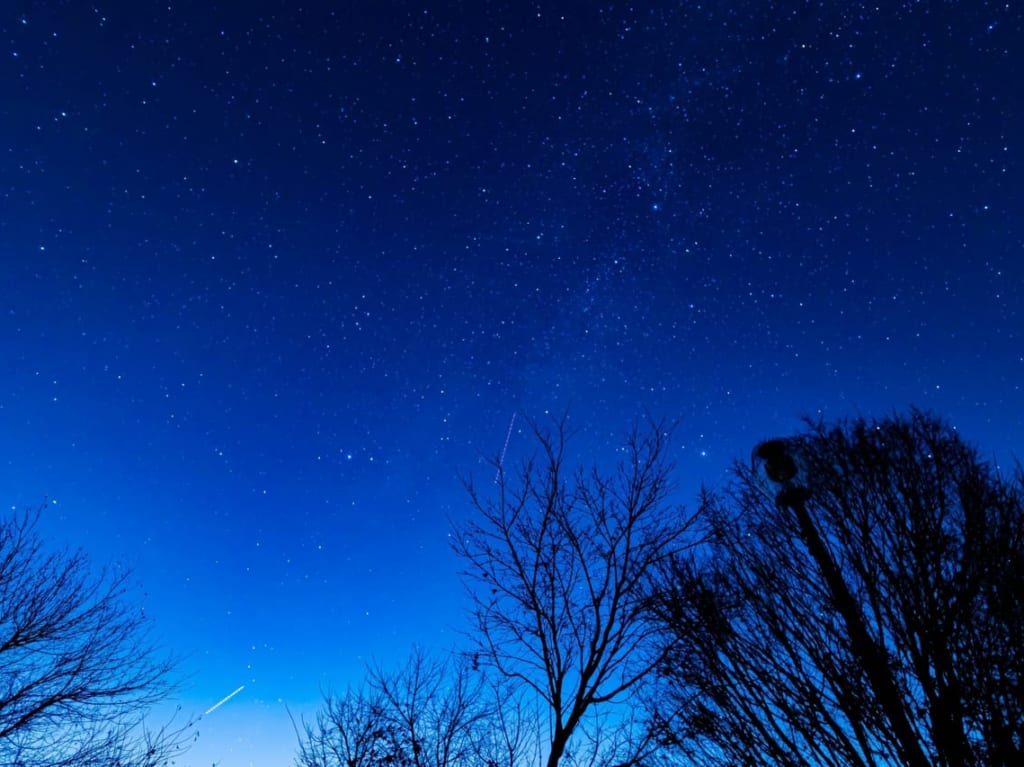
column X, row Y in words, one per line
column 868, row 610
column 77, row 670
column 429, row 713
column 559, row 566
column 350, row 730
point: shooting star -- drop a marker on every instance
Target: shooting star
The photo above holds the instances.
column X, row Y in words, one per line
column 504, row 449
column 223, row 700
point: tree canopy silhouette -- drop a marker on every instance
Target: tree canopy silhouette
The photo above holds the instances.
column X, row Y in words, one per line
column 559, row 563
column 860, row 602
column 431, row 712
column 77, row 669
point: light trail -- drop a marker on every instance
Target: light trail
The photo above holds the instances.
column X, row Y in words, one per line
column 504, row 448
column 223, row 700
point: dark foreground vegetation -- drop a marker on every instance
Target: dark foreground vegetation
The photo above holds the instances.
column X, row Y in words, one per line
column 77, row 670
column 854, row 596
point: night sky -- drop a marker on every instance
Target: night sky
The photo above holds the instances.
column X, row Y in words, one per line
column 275, row 275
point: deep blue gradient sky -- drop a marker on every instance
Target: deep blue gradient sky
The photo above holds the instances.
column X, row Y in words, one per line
column 274, row 277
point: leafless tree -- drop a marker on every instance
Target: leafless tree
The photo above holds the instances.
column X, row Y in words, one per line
column 870, row 613
column 432, row 712
column 511, row 731
column 435, row 707
column 350, row 730
column 558, row 565
column 77, row 669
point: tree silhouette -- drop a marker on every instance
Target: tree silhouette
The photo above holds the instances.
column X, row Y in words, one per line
column 864, row 607
column 77, row 670
column 431, row 712
column 558, row 565
column 350, row 730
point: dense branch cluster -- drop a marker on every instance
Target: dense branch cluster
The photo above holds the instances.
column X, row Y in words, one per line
column 561, row 566
column 900, row 639
column 77, row 672
column 432, row 712
column 855, row 596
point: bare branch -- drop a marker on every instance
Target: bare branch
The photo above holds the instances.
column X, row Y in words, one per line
column 871, row 616
column 77, row 669
column 559, row 567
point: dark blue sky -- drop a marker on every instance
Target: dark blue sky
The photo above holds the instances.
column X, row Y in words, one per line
column 274, row 277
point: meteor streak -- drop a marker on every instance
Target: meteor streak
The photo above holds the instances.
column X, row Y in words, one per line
column 223, row 700
column 504, row 448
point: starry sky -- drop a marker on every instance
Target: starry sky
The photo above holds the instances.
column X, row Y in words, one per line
column 275, row 275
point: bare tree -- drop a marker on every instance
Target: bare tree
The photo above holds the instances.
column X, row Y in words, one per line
column 435, row 707
column 432, row 712
column 350, row 730
column 511, row 732
column 558, row 564
column 77, row 669
column 869, row 613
